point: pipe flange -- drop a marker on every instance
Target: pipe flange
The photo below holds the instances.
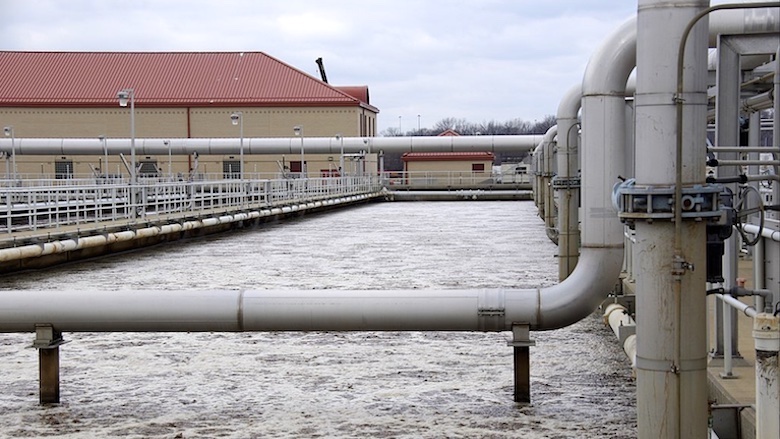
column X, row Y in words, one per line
column 652, row 203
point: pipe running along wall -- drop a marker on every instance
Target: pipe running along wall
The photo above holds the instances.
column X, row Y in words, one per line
column 312, row 145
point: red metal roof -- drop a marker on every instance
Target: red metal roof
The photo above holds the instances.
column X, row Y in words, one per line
column 161, row 79
column 467, row 156
column 359, row 92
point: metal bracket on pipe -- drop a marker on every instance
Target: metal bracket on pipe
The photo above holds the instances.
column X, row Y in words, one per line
column 651, row 203
column 566, row 183
column 521, row 336
column 46, row 337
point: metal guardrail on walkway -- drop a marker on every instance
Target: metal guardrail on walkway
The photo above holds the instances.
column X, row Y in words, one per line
column 25, row 208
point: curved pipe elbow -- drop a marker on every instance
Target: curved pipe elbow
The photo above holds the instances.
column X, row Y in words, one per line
column 609, row 68
column 582, row 292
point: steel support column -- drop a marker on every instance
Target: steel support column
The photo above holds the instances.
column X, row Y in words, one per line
column 48, row 341
column 521, row 344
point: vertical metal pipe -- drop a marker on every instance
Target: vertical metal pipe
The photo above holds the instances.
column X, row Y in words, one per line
column 671, row 329
column 568, row 195
column 549, row 171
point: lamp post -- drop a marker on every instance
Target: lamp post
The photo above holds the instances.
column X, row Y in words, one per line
column 340, row 138
column 125, row 95
column 105, row 155
column 170, row 171
column 9, row 132
column 237, row 118
column 298, row 130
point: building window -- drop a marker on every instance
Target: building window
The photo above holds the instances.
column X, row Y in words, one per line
column 477, row 167
column 63, row 169
column 295, row 166
column 231, row 168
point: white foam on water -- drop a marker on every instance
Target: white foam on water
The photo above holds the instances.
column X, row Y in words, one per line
column 324, row 384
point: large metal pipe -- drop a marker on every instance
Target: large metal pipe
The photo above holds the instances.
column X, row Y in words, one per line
column 293, row 145
column 671, row 306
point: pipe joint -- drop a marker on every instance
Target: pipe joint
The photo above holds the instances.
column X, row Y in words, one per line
column 651, row 203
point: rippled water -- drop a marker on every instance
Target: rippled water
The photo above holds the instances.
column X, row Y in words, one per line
column 315, row 384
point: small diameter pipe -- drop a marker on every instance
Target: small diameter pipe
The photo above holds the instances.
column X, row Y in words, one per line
column 616, row 316
column 736, row 303
column 767, row 233
column 759, row 149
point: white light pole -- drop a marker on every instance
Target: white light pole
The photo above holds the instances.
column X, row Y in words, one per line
column 105, row 155
column 237, row 118
column 298, row 130
column 9, row 132
column 124, row 96
column 340, row 138
column 170, row 172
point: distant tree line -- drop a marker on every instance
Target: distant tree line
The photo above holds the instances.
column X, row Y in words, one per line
column 466, row 128
column 463, row 127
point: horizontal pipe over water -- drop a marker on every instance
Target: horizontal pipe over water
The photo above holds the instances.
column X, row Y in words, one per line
column 315, row 310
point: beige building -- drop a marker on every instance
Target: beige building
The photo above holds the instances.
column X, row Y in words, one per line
column 452, row 162
column 175, row 95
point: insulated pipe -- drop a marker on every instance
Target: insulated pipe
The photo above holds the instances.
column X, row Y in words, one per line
column 311, row 145
column 671, row 320
column 568, row 170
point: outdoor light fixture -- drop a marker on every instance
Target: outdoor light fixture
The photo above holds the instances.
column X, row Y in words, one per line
column 9, row 132
column 298, row 130
column 128, row 95
column 123, row 96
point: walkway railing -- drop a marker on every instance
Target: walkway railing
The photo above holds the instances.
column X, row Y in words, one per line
column 453, row 179
column 56, row 203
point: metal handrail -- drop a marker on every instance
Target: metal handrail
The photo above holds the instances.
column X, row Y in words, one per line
column 50, row 206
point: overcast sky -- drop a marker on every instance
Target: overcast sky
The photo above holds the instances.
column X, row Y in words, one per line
column 481, row 60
